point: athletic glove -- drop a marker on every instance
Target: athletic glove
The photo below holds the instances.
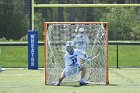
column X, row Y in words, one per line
column 77, row 65
column 78, row 68
column 88, row 59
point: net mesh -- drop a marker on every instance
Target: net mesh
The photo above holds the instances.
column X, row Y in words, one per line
column 59, row 34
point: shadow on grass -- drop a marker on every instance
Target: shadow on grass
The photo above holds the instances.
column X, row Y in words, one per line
column 76, row 84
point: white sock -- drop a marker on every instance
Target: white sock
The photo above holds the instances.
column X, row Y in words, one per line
column 82, row 80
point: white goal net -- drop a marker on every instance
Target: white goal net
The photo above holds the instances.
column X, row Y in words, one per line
column 56, row 36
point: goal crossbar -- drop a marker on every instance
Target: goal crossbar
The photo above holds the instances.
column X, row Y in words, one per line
column 76, row 22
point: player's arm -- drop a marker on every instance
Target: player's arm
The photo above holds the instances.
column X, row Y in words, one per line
column 83, row 55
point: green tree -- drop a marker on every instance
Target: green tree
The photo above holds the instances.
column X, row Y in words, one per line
column 124, row 24
column 13, row 22
column 39, row 25
column 60, row 12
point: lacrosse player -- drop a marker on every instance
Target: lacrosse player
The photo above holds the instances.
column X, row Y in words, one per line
column 72, row 63
column 1, row 69
column 81, row 41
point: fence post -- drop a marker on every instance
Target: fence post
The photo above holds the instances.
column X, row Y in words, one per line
column 117, row 56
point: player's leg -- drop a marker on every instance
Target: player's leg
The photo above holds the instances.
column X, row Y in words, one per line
column 0, row 68
column 83, row 72
column 61, row 78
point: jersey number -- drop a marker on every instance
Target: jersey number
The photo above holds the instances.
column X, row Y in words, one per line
column 81, row 42
column 74, row 61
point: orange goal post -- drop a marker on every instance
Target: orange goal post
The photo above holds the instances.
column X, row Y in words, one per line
column 56, row 34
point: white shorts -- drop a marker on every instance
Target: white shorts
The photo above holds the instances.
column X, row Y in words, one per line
column 71, row 71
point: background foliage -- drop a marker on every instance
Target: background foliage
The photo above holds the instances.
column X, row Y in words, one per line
column 15, row 15
column 13, row 21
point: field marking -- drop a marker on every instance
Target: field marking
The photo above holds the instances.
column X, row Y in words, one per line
column 32, row 81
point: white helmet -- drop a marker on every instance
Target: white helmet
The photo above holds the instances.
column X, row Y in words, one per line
column 81, row 29
column 69, row 43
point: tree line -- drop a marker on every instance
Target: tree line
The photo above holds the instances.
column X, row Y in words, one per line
column 123, row 22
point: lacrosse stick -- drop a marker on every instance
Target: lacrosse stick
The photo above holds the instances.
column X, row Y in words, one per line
column 90, row 60
column 86, row 63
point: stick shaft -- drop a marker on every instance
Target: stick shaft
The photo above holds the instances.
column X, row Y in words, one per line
column 90, row 60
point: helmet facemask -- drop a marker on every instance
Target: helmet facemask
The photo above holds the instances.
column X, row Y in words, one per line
column 69, row 47
column 81, row 32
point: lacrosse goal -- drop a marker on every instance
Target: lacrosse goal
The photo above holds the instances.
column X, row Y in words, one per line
column 55, row 36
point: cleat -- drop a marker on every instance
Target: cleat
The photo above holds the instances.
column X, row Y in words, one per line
column 83, row 83
column 57, row 84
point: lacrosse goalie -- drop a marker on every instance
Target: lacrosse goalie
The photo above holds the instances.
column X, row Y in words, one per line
column 81, row 41
column 72, row 63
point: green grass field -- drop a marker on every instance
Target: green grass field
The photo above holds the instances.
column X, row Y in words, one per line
column 126, row 80
column 17, row 56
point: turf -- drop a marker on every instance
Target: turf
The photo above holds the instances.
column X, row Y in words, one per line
column 126, row 80
column 18, row 56
column 128, row 55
